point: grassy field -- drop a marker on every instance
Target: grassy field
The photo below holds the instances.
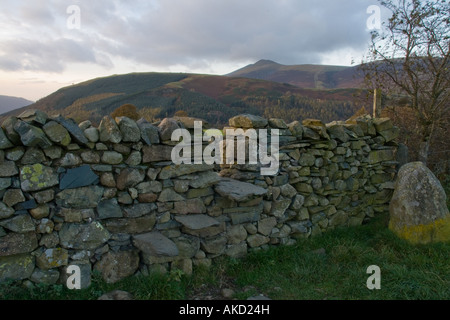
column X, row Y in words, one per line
column 331, row 266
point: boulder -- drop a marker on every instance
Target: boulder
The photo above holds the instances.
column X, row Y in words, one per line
column 109, row 131
column 418, row 209
column 167, row 127
column 57, row 133
column 37, row 177
column 72, row 127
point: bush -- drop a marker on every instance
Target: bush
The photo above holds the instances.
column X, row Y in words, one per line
column 126, row 110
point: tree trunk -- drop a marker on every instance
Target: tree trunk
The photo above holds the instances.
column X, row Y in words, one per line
column 424, row 147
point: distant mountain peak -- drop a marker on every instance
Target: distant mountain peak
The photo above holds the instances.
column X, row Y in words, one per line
column 263, row 62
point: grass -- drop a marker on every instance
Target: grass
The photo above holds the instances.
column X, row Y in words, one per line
column 331, row 266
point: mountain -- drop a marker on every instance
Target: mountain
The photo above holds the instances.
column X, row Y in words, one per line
column 8, row 103
column 304, row 76
column 210, row 97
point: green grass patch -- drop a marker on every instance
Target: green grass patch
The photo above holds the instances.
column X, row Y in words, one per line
column 331, row 266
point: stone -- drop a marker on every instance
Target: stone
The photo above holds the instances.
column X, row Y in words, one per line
column 190, row 206
column 204, row 179
column 75, row 132
column 33, row 116
column 5, row 211
column 337, row 131
column 277, row 123
column 288, row 191
column 170, row 195
column 266, row 225
column 139, row 209
column 17, row 267
column 149, row 133
column 4, row 141
column 173, row 171
column 83, row 236
column 240, row 215
column 112, row 157
column 78, row 177
column 149, row 187
column 279, row 207
column 15, row 154
column 57, row 133
column 155, row 244
column 377, row 156
column 70, row 160
column 236, row 234
column 129, row 177
column 237, row 190
column 390, row 134
column 214, row 245
column 17, row 243
column 129, row 129
column 188, row 246
column 418, row 209
column 166, row 127
column 5, row 183
column 134, row 159
column 80, row 198
column 197, row 221
column 248, row 121
column 296, row 129
column 307, row 160
column 109, row 131
column 340, row 218
column 115, row 266
column 110, row 208
column 257, row 240
column 52, row 258
column 8, row 169
column 21, row 223
column 92, row 134
column 382, row 124
column 156, row 153
column 40, row 212
column 32, row 156
column 45, row 226
column 13, row 197
column 116, row 295
column 131, row 225
column 44, row 196
column 31, row 136
column 90, row 157
column 48, row 277
column 85, row 273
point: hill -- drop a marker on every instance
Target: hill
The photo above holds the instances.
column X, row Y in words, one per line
column 210, row 97
column 8, row 103
column 304, row 76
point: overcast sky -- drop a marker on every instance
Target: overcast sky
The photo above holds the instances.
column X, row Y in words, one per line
column 48, row 44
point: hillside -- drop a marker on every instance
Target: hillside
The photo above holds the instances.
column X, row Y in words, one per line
column 8, row 103
column 213, row 98
column 304, row 76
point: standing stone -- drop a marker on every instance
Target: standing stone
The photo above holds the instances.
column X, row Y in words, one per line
column 418, row 209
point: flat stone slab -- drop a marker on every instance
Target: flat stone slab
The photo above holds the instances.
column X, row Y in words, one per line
column 197, row 221
column 78, row 177
column 155, row 244
column 237, row 190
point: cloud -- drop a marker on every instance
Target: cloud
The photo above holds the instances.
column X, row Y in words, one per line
column 165, row 33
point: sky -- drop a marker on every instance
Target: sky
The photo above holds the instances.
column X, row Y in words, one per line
column 49, row 44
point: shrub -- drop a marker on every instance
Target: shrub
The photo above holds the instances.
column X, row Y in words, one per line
column 126, row 110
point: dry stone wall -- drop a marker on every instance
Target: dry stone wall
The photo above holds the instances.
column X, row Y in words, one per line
column 110, row 198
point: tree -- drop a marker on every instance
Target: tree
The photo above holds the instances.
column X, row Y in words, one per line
column 410, row 56
column 126, row 110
